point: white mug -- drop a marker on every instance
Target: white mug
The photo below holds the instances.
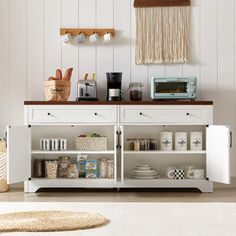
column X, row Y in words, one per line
column 179, row 174
column 107, row 37
column 189, row 171
column 170, row 172
column 94, row 38
column 196, row 174
column 80, row 38
column 66, row 38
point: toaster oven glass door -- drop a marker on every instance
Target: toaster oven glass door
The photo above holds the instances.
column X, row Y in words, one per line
column 171, row 87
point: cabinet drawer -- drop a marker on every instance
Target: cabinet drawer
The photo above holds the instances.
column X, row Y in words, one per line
column 167, row 114
column 72, row 114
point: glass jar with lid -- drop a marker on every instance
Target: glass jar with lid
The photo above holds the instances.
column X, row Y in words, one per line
column 62, row 166
column 73, row 172
column 136, row 91
column 110, row 169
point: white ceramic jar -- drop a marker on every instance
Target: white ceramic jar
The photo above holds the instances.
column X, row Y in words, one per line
column 181, row 141
column 196, row 141
column 166, row 143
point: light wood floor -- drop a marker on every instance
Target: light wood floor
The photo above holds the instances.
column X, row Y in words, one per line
column 219, row 195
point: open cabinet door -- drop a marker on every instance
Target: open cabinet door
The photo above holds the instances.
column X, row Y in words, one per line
column 18, row 153
column 218, row 144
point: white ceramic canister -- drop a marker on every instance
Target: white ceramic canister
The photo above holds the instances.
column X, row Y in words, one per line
column 41, row 144
column 55, row 144
column 46, row 144
column 196, row 141
column 166, row 143
column 63, row 144
column 181, row 141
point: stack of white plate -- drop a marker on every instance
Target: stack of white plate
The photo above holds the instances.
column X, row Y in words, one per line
column 144, row 171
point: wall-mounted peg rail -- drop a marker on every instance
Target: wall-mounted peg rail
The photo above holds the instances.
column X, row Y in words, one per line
column 86, row 31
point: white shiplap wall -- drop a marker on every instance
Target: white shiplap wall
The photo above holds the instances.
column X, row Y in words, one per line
column 31, row 50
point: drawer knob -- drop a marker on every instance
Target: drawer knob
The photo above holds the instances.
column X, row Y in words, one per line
column 49, row 113
column 140, row 113
column 95, row 113
column 187, row 114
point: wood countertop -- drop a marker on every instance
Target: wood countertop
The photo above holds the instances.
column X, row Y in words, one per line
column 179, row 102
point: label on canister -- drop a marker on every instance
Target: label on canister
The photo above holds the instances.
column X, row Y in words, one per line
column 166, row 141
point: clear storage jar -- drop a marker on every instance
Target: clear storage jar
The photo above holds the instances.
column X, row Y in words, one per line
column 136, row 91
column 131, row 144
column 73, row 172
column 63, row 164
column 136, row 145
column 39, row 168
column 51, row 169
column 102, row 168
column 152, row 144
column 110, row 169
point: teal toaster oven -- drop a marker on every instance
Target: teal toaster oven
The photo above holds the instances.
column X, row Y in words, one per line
column 174, row 88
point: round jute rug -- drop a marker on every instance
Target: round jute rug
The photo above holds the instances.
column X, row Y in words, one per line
column 48, row 221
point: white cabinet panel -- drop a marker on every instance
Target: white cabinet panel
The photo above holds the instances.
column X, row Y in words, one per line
column 166, row 114
column 18, row 154
column 72, row 114
column 218, row 154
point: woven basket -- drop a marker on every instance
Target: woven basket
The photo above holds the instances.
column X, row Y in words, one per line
column 91, row 143
column 3, row 166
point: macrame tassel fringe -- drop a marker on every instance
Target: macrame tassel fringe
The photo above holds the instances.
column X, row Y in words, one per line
column 162, row 35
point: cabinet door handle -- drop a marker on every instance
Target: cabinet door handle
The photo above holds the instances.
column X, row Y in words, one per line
column 231, row 139
column 140, row 113
column 95, row 113
column 49, row 113
column 187, row 114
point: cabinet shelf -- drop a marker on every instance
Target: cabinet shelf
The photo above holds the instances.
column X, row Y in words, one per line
column 74, row 183
column 164, row 152
column 201, row 184
column 71, row 152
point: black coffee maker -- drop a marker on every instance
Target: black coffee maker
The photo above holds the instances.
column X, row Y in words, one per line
column 114, row 80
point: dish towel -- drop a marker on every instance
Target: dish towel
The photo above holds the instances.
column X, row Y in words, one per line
column 162, row 31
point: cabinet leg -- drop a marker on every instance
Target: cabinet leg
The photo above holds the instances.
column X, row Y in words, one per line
column 29, row 187
column 207, row 188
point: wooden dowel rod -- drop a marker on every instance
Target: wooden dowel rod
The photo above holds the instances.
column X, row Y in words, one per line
column 86, row 31
column 161, row 3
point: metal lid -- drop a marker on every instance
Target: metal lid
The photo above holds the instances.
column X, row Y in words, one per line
column 64, row 158
column 135, row 84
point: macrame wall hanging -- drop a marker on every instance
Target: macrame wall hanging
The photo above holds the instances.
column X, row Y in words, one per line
column 162, row 31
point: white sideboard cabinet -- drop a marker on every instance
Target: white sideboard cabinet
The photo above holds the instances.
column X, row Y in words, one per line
column 119, row 121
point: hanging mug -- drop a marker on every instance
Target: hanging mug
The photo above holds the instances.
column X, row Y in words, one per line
column 66, row 38
column 94, row 38
column 107, row 37
column 80, row 38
